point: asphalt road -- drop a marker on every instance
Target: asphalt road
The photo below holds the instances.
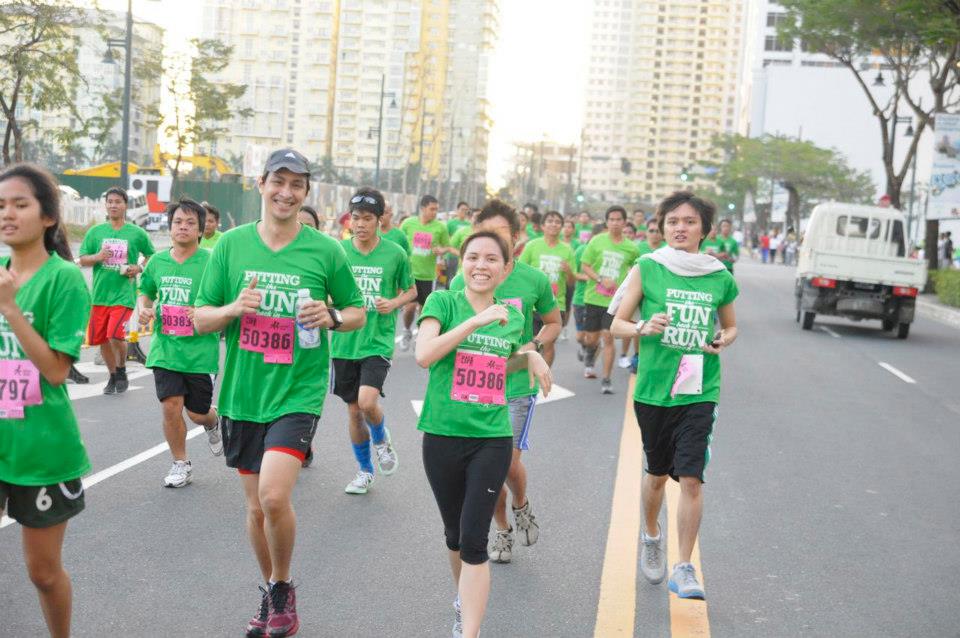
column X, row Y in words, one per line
column 830, row 506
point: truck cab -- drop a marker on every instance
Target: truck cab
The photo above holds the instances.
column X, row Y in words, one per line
column 853, row 264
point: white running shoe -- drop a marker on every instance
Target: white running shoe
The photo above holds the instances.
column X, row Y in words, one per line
column 214, row 440
column 387, row 459
column 360, row 484
column 653, row 558
column 528, row 530
column 623, row 362
column 405, row 340
column 502, row 550
column 180, row 474
column 589, row 373
column 457, row 619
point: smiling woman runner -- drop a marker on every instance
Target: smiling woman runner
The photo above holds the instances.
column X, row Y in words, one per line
column 679, row 292
column 44, row 305
column 469, row 341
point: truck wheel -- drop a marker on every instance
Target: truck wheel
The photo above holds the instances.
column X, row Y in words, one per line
column 889, row 324
column 808, row 320
column 903, row 330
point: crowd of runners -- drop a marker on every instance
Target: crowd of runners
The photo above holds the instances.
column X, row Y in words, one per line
column 481, row 298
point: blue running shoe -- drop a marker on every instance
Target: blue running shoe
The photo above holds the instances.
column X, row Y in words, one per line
column 683, row 582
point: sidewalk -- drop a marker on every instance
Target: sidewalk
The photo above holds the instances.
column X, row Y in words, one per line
column 930, row 307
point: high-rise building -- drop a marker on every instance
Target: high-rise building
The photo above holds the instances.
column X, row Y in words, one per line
column 370, row 83
column 545, row 173
column 103, row 78
column 661, row 83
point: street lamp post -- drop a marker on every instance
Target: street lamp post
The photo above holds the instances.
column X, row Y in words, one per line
column 127, row 44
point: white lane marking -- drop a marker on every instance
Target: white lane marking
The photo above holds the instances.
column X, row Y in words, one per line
column 88, row 390
column 830, row 332
column 900, row 375
column 556, row 393
column 113, row 470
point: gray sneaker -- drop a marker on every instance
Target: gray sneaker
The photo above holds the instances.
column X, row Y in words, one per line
column 683, row 582
column 457, row 619
column 653, row 560
column 502, row 550
column 405, row 340
column 528, row 531
column 606, row 387
column 387, row 459
column 214, row 440
column 180, row 474
column 360, row 484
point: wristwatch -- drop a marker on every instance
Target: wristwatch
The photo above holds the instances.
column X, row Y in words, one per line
column 640, row 325
column 537, row 344
column 336, row 317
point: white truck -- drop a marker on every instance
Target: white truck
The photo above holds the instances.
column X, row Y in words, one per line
column 853, row 264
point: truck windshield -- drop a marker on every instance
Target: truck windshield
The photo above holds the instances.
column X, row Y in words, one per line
column 857, row 227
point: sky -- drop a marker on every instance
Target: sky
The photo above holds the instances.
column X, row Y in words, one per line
column 537, row 72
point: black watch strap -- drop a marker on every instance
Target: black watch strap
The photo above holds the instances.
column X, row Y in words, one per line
column 337, row 318
column 537, row 344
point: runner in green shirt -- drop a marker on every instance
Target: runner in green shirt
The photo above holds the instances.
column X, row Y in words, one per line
column 391, row 232
column 569, row 234
column 113, row 248
column 584, row 227
column 680, row 293
column 605, row 262
column 308, row 217
column 458, row 238
column 528, row 289
column 183, row 362
column 556, row 260
column 460, row 220
column 211, row 228
column 470, row 343
column 361, row 359
column 429, row 240
column 277, row 361
column 653, row 241
column 727, row 248
column 44, row 306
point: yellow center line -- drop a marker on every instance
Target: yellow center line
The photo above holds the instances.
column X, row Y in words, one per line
column 616, row 608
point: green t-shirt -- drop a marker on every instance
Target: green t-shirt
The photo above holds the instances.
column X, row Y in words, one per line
column 110, row 288
column 580, row 287
column 584, row 233
column 253, row 389
column 396, row 236
column 44, row 446
column 529, row 289
column 729, row 246
column 550, row 260
column 423, row 239
column 691, row 303
column 573, row 243
column 169, row 283
column 455, row 224
column 210, row 242
column 460, row 236
column 532, row 233
column 443, row 415
column 384, row 272
column 608, row 259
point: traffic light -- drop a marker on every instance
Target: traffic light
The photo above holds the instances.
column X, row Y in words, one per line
column 731, row 207
column 624, row 166
column 579, row 198
column 685, row 174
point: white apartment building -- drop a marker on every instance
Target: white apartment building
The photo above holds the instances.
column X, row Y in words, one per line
column 318, row 89
column 661, row 82
column 102, row 78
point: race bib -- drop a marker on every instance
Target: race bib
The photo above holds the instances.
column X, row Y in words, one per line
column 689, row 379
column 479, row 378
column 584, row 236
column 422, row 243
column 118, row 251
column 606, row 292
column 175, row 321
column 19, row 387
column 516, row 302
column 554, row 287
column 271, row 336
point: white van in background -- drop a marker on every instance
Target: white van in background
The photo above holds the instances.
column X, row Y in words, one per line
column 852, row 264
column 137, row 211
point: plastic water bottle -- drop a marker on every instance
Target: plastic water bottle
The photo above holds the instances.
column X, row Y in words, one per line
column 308, row 337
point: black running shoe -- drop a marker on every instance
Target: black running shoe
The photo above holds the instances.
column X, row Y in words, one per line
column 75, row 376
column 134, row 353
column 111, row 385
column 122, row 382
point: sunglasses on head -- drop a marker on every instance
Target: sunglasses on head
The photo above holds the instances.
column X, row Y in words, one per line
column 365, row 199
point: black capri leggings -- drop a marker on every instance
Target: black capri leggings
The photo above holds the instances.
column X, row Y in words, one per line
column 466, row 475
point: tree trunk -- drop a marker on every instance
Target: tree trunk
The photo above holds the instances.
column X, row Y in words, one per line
column 793, row 208
column 17, row 143
column 931, row 250
column 6, row 143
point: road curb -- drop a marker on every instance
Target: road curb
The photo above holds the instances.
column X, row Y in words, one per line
column 938, row 312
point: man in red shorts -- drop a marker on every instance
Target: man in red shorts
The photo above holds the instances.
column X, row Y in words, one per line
column 114, row 248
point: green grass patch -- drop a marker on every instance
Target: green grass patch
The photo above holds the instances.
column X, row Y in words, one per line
column 947, row 286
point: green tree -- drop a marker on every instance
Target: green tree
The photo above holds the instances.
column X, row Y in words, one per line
column 809, row 174
column 38, row 68
column 203, row 107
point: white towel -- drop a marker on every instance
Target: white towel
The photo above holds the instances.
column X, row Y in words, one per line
column 679, row 262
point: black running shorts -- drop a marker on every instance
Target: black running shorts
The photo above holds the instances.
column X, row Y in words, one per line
column 245, row 442
column 596, row 318
column 424, row 288
column 676, row 440
column 195, row 388
column 43, row 505
column 350, row 374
